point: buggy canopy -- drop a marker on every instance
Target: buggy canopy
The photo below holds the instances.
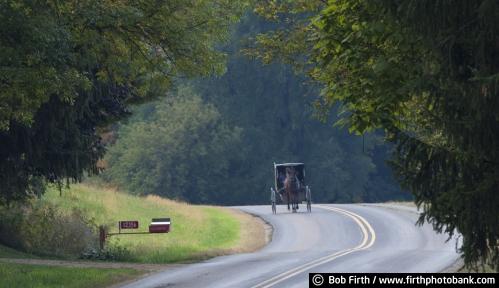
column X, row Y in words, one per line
column 280, row 173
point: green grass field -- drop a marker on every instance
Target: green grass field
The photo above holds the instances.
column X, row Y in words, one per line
column 39, row 276
column 197, row 232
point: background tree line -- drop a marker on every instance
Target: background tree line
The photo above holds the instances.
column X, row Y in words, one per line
column 219, row 147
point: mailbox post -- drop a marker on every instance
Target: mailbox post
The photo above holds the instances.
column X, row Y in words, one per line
column 158, row 225
column 102, row 236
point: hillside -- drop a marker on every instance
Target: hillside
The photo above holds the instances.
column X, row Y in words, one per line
column 197, row 232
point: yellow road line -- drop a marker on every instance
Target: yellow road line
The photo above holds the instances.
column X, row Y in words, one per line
column 368, row 239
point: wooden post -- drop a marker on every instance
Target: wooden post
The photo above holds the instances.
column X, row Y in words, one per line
column 102, row 237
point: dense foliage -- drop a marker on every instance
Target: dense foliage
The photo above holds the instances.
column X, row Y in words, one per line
column 427, row 73
column 181, row 148
column 70, row 67
column 176, row 148
column 47, row 230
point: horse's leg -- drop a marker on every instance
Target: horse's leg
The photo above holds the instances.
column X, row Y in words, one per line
column 297, row 202
column 296, row 199
column 288, row 196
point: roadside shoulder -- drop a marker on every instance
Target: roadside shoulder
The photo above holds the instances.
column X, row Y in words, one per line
column 255, row 232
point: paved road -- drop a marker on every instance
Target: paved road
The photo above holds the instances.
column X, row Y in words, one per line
column 333, row 238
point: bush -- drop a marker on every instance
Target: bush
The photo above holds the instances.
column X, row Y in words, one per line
column 114, row 252
column 42, row 228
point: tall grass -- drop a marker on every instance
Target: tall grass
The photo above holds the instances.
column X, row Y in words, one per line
column 44, row 229
column 196, row 231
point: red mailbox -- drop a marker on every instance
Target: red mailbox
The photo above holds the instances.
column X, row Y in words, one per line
column 160, row 225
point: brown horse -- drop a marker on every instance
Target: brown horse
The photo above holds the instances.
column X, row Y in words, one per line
column 292, row 187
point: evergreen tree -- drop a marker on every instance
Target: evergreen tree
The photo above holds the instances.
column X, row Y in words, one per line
column 427, row 73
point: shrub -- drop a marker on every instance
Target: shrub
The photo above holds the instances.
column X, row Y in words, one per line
column 113, row 252
column 42, row 228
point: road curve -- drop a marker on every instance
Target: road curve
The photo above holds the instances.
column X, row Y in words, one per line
column 333, row 238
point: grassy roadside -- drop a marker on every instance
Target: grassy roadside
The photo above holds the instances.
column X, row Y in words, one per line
column 6, row 252
column 402, row 203
column 197, row 232
column 39, row 276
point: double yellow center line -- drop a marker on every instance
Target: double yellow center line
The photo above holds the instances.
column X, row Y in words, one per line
column 368, row 239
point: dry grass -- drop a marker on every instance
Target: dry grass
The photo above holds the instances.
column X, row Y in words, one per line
column 255, row 232
column 197, row 232
column 402, row 203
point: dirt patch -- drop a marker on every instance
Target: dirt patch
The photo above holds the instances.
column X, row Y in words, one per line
column 400, row 206
column 255, row 233
column 402, row 203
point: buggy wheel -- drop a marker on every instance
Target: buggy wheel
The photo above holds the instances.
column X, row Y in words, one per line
column 309, row 199
column 273, row 200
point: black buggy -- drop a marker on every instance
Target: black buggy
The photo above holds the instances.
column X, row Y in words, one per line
column 279, row 193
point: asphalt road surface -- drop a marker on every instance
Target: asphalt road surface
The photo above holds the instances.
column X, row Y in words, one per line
column 333, row 238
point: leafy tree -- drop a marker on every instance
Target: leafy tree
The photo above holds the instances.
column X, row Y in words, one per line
column 68, row 68
column 178, row 152
column 425, row 72
column 270, row 106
